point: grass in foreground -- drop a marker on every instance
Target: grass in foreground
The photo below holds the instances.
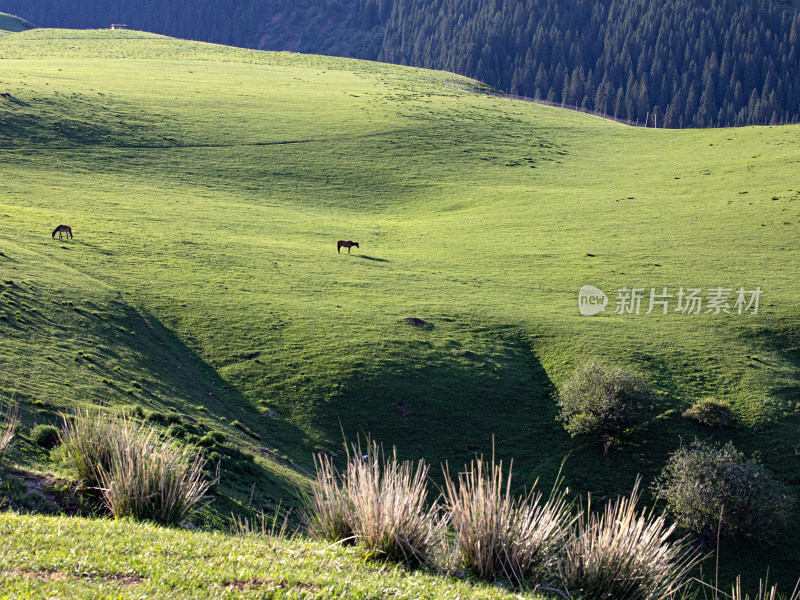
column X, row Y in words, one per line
column 43, row 557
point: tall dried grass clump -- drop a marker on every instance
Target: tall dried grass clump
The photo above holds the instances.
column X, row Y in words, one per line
column 498, row 535
column 274, row 524
column 139, row 473
column 8, row 427
column 380, row 502
column 765, row 592
column 331, row 512
column 151, row 478
column 87, row 440
column 621, row 554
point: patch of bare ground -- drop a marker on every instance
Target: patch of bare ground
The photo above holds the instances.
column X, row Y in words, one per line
column 282, row 584
column 56, row 575
column 29, row 491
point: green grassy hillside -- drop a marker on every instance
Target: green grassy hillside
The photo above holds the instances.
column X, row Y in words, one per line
column 103, row 559
column 12, row 24
column 207, row 186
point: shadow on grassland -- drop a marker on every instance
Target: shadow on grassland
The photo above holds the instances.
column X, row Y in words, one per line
column 373, row 258
column 446, row 404
column 69, row 342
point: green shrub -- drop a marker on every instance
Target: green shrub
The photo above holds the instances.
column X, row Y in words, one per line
column 621, row 554
column 176, row 430
column 706, row 487
column 214, row 437
column 710, row 412
column 381, row 502
column 165, row 418
column 45, row 436
column 497, row 535
column 602, row 401
column 244, row 428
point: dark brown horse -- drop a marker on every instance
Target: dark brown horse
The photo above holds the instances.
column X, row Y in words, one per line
column 342, row 244
column 62, row 229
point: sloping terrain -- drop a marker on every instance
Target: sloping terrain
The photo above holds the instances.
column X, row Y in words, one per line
column 12, row 24
column 678, row 64
column 207, row 187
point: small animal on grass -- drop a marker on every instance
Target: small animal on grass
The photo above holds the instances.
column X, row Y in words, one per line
column 342, row 244
column 62, row 229
column 5, row 95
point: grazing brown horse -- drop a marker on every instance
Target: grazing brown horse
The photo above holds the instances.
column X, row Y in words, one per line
column 62, row 229
column 342, row 244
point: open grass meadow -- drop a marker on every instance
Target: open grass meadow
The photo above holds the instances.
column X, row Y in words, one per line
column 207, row 187
column 55, row 557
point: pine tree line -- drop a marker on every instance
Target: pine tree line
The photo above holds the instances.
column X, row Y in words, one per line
column 690, row 63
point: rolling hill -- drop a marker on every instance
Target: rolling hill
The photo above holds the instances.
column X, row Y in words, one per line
column 12, row 24
column 207, row 187
column 677, row 65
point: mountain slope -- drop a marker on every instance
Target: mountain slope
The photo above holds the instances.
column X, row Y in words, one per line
column 10, row 23
column 676, row 65
column 482, row 216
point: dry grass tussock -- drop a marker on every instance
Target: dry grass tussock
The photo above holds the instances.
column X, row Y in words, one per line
column 378, row 501
column 530, row 540
column 499, row 535
column 139, row 473
column 8, row 427
column 622, row 554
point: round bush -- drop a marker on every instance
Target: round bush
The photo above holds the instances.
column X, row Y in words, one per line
column 710, row 412
column 45, row 436
column 603, row 401
column 176, row 430
column 706, row 487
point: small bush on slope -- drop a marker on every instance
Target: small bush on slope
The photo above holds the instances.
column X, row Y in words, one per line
column 710, row 412
column 707, row 487
column 45, row 436
column 602, row 401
